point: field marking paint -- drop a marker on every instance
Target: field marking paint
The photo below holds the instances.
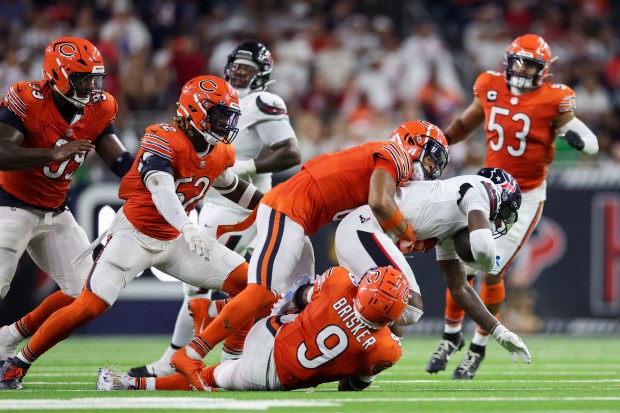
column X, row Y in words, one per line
column 159, row 403
column 233, row 404
column 507, row 381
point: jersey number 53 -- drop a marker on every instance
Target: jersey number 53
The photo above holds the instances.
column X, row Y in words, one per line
column 495, row 124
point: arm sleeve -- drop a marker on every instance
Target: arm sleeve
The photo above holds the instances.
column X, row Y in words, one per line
column 483, row 248
column 161, row 185
column 589, row 138
column 226, row 182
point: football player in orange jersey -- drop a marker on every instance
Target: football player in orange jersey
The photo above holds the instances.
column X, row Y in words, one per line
column 341, row 335
column 325, row 189
column 47, row 128
column 175, row 166
column 522, row 116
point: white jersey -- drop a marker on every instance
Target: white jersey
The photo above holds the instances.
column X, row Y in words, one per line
column 438, row 209
column 263, row 123
column 435, row 209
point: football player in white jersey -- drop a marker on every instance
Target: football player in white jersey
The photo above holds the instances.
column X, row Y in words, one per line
column 486, row 204
column 266, row 143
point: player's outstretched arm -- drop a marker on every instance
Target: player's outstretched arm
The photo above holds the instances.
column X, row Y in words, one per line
column 13, row 156
column 237, row 190
column 113, row 153
column 576, row 133
column 465, row 124
column 466, row 297
column 281, row 156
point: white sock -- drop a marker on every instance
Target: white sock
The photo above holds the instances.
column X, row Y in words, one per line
column 212, row 310
column 22, row 358
column 450, row 329
column 150, row 384
column 191, row 353
column 479, row 339
column 167, row 354
column 10, row 335
column 184, row 326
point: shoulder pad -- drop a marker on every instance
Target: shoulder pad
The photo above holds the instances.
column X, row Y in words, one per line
column 494, row 73
column 22, row 97
column 567, row 100
column 107, row 103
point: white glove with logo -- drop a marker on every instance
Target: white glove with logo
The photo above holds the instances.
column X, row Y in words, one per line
column 285, row 304
column 197, row 242
column 511, row 342
column 244, row 168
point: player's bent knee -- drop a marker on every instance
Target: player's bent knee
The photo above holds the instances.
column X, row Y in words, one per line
column 107, row 283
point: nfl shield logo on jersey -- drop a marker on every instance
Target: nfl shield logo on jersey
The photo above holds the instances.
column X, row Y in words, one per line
column 69, row 133
column 203, row 164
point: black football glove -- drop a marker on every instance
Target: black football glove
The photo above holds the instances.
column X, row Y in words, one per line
column 574, row 140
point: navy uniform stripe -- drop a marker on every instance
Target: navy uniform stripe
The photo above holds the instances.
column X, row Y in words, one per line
column 374, row 249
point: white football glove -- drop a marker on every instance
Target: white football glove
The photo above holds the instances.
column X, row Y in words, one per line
column 512, row 342
column 197, row 242
column 285, row 304
column 244, row 168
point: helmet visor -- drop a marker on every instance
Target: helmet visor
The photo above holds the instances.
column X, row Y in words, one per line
column 438, row 155
column 87, row 84
column 223, row 120
column 523, row 71
column 507, row 215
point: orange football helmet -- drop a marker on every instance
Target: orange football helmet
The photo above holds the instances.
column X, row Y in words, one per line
column 424, row 140
column 382, row 296
column 527, row 52
column 75, row 69
column 212, row 106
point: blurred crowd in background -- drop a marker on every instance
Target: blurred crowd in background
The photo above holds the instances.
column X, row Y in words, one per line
column 349, row 70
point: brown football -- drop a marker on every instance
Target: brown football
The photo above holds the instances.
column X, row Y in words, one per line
column 462, row 245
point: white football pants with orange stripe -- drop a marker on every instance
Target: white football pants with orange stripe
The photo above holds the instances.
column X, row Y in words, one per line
column 282, row 253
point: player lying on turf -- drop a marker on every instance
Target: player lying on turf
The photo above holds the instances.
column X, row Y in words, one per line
column 340, row 335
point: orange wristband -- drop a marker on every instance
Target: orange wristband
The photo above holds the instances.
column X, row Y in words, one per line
column 408, row 235
column 392, row 222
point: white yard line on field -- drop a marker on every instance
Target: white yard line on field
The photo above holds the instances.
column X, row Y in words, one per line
column 233, row 404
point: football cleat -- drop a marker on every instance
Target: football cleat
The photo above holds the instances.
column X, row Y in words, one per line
column 199, row 310
column 190, row 369
column 8, row 344
column 442, row 355
column 469, row 366
column 109, row 380
column 157, row 368
column 11, row 374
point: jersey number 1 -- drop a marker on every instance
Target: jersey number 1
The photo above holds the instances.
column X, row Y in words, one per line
column 497, row 127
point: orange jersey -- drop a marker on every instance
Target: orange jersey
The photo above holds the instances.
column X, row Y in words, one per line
column 46, row 186
column 327, row 342
column 330, row 185
column 193, row 177
column 520, row 135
